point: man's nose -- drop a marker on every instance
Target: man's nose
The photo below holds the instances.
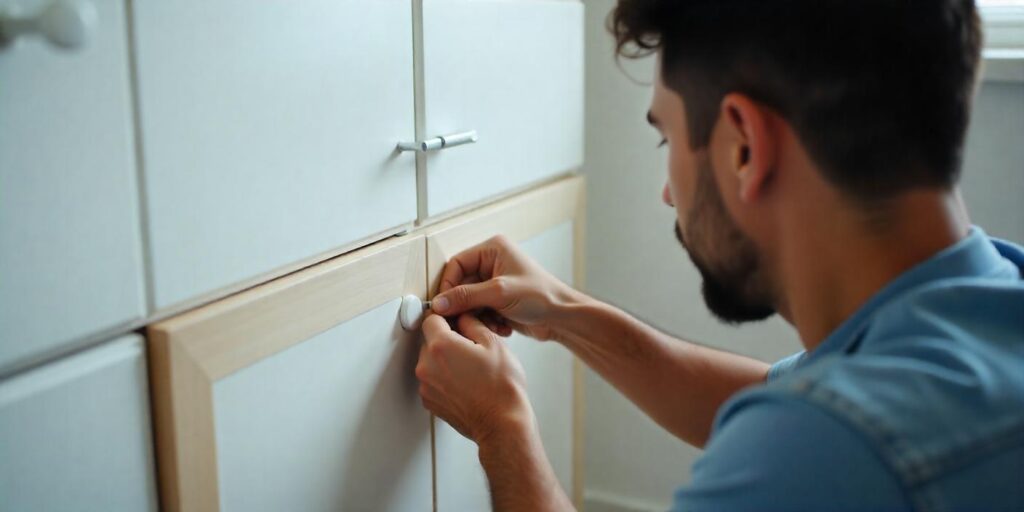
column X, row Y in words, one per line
column 666, row 196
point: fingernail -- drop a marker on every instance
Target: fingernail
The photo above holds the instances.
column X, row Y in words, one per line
column 439, row 304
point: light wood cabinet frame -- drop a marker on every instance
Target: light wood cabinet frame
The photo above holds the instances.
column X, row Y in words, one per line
column 190, row 353
column 520, row 218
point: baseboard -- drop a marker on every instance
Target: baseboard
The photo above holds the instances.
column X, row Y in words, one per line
column 597, row 501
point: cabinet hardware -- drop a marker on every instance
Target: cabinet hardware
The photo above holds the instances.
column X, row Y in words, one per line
column 411, row 313
column 65, row 24
column 442, row 142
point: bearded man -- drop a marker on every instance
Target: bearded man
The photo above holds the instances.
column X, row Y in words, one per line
column 814, row 152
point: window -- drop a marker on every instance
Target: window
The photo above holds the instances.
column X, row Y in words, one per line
column 1004, row 39
column 1004, row 24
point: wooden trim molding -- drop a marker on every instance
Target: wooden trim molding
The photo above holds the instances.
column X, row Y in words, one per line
column 579, row 269
column 190, row 353
column 519, row 218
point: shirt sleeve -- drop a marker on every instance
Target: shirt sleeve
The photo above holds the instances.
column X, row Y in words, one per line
column 789, row 455
column 785, row 365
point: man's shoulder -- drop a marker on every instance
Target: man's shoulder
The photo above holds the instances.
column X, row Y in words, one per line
column 931, row 388
column 938, row 405
column 777, row 452
column 981, row 306
column 975, row 312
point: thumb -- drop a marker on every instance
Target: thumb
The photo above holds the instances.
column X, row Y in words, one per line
column 467, row 297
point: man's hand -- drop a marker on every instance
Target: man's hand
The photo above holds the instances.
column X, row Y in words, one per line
column 495, row 275
column 471, row 380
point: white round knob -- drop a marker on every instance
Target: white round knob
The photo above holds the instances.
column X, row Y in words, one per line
column 65, row 24
column 411, row 313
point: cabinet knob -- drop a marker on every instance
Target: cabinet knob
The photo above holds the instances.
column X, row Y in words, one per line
column 65, row 24
column 411, row 313
column 442, row 142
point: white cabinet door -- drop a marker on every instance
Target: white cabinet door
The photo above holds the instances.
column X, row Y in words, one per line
column 299, row 394
column 269, row 134
column 70, row 256
column 545, row 224
column 333, row 423
column 512, row 71
column 75, row 434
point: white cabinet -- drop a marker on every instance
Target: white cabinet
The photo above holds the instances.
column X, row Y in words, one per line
column 235, row 142
column 75, row 434
column 269, row 134
column 70, row 255
column 513, row 71
column 547, row 223
column 298, row 394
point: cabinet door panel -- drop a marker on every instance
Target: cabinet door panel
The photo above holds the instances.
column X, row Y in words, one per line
column 333, row 423
column 70, row 256
column 75, row 434
column 269, row 133
column 512, row 71
column 549, row 366
column 545, row 224
column 298, row 394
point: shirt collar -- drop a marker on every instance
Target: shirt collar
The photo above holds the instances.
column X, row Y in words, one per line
column 974, row 255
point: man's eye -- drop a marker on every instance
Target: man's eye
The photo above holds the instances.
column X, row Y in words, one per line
column 663, row 142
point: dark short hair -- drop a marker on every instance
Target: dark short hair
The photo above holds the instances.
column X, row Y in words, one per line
column 878, row 91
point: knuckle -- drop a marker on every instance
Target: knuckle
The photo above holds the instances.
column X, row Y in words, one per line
column 421, row 372
column 427, row 404
column 430, row 323
column 501, row 241
column 502, row 286
column 435, row 349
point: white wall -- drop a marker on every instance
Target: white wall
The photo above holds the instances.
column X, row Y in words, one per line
column 993, row 179
column 635, row 262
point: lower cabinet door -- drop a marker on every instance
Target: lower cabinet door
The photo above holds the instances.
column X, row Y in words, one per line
column 75, row 434
column 299, row 394
column 546, row 223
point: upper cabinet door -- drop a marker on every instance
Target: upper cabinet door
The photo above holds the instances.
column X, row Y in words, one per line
column 269, row 134
column 513, row 72
column 70, row 257
column 298, row 394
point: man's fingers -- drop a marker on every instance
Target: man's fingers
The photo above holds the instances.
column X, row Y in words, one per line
column 495, row 322
column 435, row 327
column 477, row 260
column 488, row 294
column 504, row 330
column 472, row 328
column 438, row 337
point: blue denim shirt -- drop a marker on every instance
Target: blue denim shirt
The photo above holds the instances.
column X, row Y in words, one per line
column 916, row 402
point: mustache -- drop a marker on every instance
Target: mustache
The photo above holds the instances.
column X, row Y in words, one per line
column 679, row 233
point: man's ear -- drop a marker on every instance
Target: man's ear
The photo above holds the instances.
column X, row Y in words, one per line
column 753, row 144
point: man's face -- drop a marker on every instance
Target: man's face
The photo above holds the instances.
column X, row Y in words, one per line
column 735, row 286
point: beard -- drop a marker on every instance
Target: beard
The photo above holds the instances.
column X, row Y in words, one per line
column 735, row 287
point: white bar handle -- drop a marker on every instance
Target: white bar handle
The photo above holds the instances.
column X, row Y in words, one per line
column 442, row 142
column 65, row 24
